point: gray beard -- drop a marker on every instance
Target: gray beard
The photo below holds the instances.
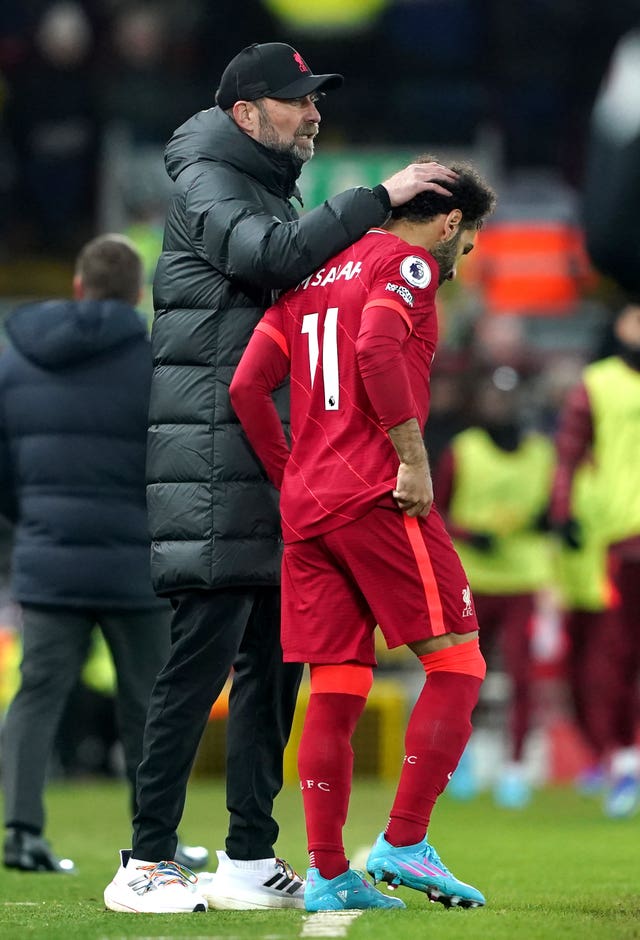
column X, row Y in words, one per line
column 268, row 137
column 303, row 154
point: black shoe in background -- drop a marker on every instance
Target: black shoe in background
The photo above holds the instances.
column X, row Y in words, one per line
column 28, row 852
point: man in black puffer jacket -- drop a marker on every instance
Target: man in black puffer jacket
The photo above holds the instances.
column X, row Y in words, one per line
column 74, row 398
column 232, row 240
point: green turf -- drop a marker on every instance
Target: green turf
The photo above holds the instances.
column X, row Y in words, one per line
column 555, row 870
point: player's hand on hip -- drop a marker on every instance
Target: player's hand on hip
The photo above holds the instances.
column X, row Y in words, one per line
column 414, row 490
column 416, row 178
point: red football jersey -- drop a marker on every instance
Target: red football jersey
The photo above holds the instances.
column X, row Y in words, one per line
column 342, row 460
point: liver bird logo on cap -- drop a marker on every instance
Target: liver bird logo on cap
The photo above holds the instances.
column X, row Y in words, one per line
column 302, row 65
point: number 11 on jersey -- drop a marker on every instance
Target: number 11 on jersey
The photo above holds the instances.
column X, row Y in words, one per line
column 330, row 374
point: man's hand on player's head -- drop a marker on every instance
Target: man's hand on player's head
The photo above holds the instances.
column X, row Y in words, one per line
column 414, row 489
column 416, row 178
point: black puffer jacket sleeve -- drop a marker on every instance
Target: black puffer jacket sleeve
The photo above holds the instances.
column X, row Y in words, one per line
column 243, row 241
column 289, row 252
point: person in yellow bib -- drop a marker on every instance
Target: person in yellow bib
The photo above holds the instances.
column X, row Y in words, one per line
column 600, row 426
column 493, row 484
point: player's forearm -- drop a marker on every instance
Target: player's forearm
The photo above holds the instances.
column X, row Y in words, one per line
column 408, row 443
column 413, row 492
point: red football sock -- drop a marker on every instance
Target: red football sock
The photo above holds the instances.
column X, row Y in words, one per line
column 438, row 730
column 325, row 766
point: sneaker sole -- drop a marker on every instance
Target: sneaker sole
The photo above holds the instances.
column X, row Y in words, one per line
column 394, row 880
column 220, row 903
column 113, row 905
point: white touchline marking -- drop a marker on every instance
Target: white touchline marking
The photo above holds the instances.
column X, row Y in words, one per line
column 21, row 903
column 328, row 923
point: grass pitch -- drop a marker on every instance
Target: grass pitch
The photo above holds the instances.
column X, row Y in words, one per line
column 558, row 869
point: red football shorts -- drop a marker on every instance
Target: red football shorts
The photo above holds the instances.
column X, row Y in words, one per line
column 385, row 568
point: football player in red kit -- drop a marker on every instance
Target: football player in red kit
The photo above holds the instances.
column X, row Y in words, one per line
column 363, row 543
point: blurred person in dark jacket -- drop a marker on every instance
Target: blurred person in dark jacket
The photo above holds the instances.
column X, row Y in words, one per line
column 74, row 398
column 233, row 240
column 139, row 58
column 54, row 128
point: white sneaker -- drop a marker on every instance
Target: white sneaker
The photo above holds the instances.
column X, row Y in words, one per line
column 265, row 883
column 152, row 888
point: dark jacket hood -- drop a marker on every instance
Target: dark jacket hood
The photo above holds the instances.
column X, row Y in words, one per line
column 59, row 333
column 213, row 135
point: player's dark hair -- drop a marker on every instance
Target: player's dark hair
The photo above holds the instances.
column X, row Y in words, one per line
column 111, row 269
column 470, row 193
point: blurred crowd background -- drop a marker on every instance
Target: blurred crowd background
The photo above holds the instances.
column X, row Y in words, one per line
column 91, row 90
column 516, row 79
